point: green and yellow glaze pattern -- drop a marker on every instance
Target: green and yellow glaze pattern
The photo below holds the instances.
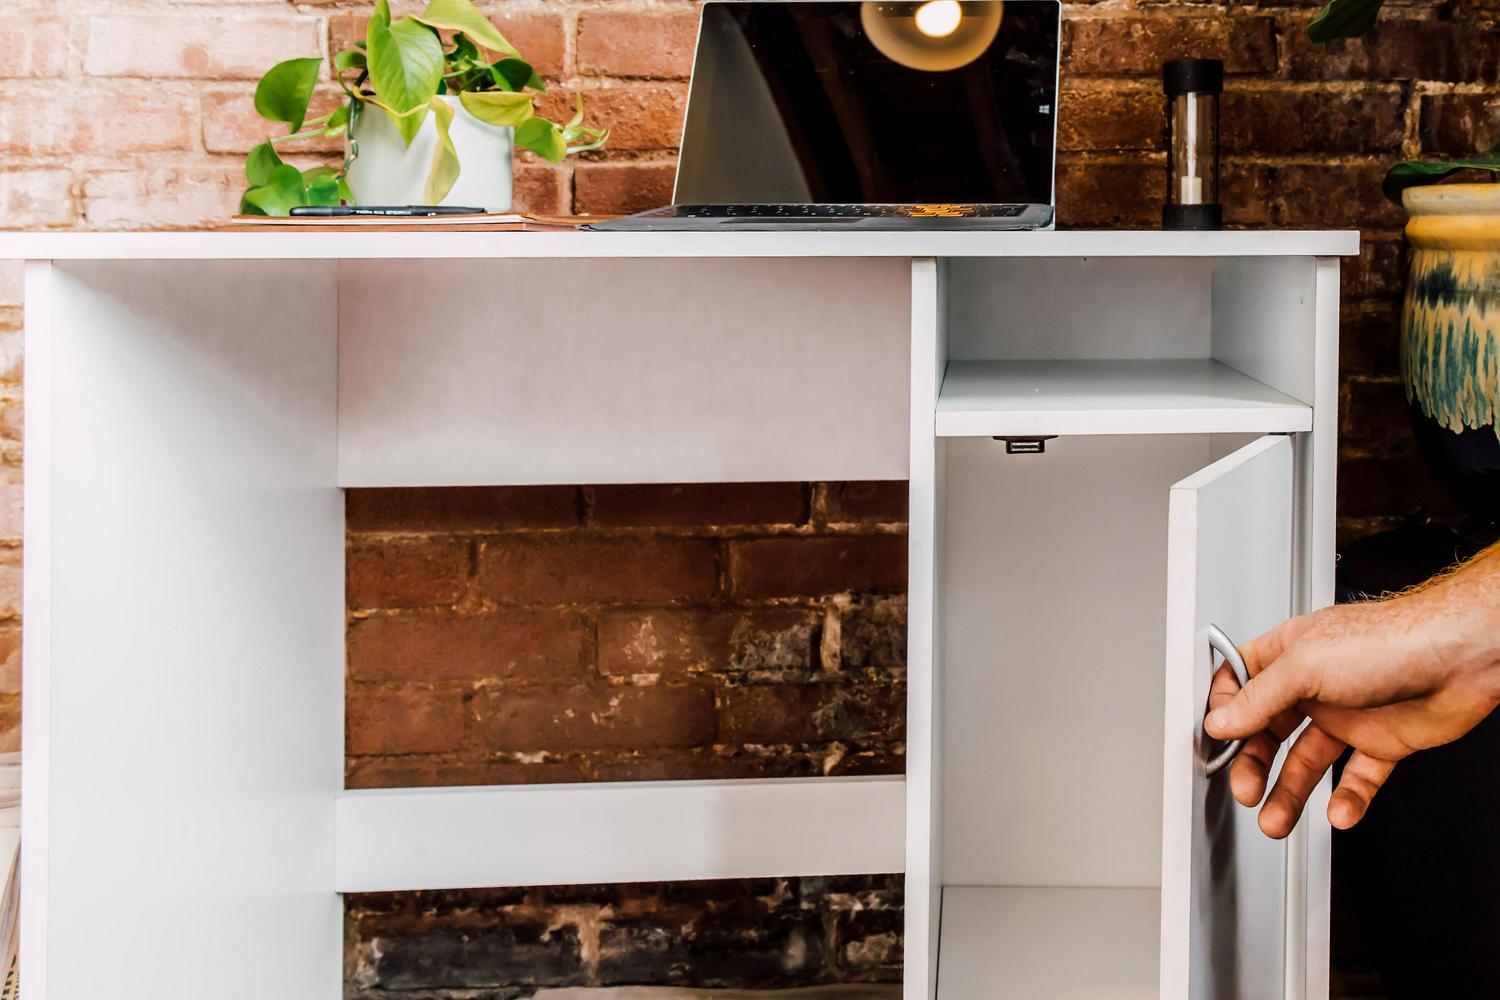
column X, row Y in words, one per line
column 1450, row 350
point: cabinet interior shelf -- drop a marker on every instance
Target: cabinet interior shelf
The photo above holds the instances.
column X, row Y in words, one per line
column 1036, row 398
column 1048, row 943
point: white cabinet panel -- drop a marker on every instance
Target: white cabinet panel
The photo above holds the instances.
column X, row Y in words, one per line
column 1229, row 563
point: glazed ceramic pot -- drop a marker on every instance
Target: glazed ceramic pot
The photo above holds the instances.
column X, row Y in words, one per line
column 389, row 172
column 1450, row 338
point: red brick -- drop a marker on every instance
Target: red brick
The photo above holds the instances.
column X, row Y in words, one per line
column 34, row 46
column 792, row 567
column 1336, row 195
column 621, row 188
column 1373, row 420
column 433, row 771
column 1278, row 120
column 10, row 659
column 625, row 718
column 545, row 647
column 35, row 199
column 1459, row 124
column 1111, row 116
column 343, row 31
column 1246, row 193
column 1109, row 195
column 875, row 502
column 699, row 505
column 1396, row 49
column 49, row 123
column 10, row 723
column 196, row 46
column 540, row 188
column 10, row 283
column 758, row 641
column 407, row 574
column 541, row 38
column 231, row 125
column 162, row 199
column 812, row 713
column 1379, row 272
column 404, row 720
column 461, row 508
column 1370, row 337
column 652, row 44
column 641, row 116
column 1138, row 45
column 583, row 568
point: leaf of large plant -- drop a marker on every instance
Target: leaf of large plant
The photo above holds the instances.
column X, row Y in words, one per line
column 1344, row 19
column 280, row 193
column 543, row 138
column 260, row 163
column 445, row 166
column 406, row 66
column 1415, row 172
column 284, row 93
column 461, row 15
column 498, row 107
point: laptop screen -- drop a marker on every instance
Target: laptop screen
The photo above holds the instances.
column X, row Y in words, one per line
column 798, row 101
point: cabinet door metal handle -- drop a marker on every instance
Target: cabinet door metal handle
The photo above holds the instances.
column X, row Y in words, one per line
column 1221, row 644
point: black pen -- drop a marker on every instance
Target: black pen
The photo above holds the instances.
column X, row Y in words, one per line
column 330, row 211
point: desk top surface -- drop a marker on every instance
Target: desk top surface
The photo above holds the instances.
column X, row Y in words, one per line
column 289, row 244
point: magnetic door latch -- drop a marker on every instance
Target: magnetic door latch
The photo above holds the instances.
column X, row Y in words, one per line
column 1026, row 445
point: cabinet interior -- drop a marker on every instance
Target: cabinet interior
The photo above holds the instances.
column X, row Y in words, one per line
column 1051, row 645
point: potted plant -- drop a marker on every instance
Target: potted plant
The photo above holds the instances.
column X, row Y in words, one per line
column 1450, row 336
column 435, row 104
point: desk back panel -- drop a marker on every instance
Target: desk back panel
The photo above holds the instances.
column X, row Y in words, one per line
column 689, row 370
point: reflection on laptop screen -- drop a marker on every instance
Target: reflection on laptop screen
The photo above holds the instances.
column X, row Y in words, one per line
column 877, row 102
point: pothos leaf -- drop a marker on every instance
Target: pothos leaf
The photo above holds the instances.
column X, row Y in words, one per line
column 1415, row 172
column 517, row 73
column 543, row 138
column 284, row 93
column 348, row 59
column 1344, row 19
column 406, row 66
column 462, row 15
column 282, row 190
column 260, row 163
column 445, row 167
column 498, row 107
column 322, row 185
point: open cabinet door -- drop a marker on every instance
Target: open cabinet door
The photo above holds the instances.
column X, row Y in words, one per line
column 1229, row 564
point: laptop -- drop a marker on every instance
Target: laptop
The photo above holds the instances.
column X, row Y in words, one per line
column 831, row 114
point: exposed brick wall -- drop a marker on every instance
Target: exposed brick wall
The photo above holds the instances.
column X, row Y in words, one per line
column 129, row 114
column 510, row 635
column 574, row 634
column 1308, row 133
column 500, row 944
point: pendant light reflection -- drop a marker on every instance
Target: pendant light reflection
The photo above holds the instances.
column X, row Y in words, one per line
column 934, row 36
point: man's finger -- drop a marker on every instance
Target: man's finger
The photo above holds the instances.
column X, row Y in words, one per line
column 1362, row 778
column 1306, row 762
column 1275, row 690
column 1251, row 770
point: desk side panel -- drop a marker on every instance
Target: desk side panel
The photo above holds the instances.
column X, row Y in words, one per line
column 607, row 371
column 183, row 664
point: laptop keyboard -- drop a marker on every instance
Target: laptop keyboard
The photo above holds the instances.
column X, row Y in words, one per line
column 933, row 211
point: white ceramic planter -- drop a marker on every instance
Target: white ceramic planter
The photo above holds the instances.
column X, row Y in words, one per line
column 387, row 172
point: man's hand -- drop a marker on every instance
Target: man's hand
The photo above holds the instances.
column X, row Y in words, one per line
column 1387, row 678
